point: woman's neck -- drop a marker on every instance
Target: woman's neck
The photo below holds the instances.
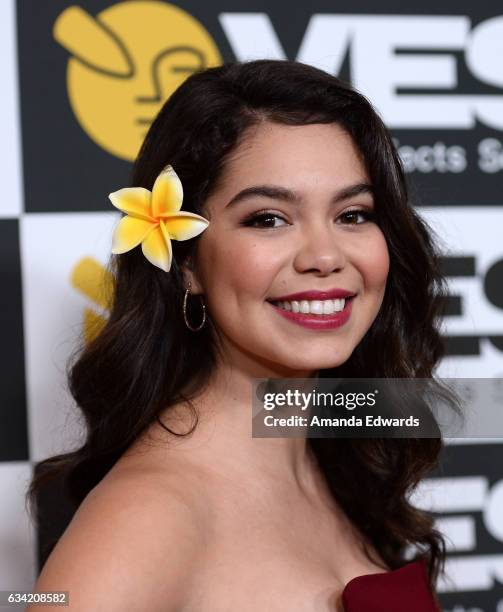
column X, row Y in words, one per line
column 222, row 438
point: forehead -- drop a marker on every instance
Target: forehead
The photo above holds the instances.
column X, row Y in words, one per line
column 299, row 157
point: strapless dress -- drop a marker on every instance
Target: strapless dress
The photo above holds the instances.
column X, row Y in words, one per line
column 401, row 590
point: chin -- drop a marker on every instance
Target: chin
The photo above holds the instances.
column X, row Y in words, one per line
column 315, row 364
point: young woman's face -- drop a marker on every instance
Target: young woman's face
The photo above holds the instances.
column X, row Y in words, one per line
column 299, row 229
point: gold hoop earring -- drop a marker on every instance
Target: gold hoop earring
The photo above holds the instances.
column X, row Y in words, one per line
column 185, row 297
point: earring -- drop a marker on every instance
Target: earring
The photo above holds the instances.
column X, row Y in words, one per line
column 185, row 297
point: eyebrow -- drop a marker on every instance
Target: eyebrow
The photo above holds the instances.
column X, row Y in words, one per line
column 287, row 195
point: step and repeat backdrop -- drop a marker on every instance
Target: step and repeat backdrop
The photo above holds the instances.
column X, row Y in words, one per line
column 81, row 84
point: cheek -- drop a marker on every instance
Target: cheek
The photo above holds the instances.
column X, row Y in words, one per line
column 373, row 262
column 240, row 268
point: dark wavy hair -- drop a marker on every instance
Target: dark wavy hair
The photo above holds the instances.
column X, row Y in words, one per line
column 144, row 359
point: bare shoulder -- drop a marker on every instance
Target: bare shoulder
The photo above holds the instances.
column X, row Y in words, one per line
column 134, row 543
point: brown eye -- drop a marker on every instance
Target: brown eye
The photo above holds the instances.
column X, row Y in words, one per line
column 264, row 220
column 352, row 216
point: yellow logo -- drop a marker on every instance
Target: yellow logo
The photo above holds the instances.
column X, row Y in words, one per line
column 125, row 63
column 97, row 285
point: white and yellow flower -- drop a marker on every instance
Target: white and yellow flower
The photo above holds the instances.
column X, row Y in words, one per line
column 153, row 218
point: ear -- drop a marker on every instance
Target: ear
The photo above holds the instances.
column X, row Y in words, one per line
column 190, row 275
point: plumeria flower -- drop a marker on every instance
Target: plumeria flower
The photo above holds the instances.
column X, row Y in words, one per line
column 154, row 219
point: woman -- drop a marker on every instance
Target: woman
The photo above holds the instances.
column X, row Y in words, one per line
column 180, row 508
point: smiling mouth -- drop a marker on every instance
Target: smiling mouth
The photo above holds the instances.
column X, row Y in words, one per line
column 321, row 308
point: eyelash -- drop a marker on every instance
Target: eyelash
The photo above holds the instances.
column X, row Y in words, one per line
column 264, row 214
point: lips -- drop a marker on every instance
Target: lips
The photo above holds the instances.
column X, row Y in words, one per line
column 317, row 322
column 329, row 294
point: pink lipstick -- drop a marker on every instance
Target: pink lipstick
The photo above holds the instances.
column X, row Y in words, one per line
column 315, row 321
column 326, row 294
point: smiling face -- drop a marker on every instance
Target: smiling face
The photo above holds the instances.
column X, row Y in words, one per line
column 305, row 226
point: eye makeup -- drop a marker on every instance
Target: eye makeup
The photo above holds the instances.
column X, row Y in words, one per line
column 262, row 215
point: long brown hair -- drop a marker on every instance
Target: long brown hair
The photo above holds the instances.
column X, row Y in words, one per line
column 144, row 359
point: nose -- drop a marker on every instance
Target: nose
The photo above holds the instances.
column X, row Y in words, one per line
column 320, row 251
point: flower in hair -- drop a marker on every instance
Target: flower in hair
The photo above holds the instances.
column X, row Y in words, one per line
column 153, row 218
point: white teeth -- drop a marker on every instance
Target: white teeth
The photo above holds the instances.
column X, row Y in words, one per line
column 319, row 307
column 328, row 307
column 316, row 307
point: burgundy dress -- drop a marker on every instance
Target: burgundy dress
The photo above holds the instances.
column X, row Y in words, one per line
column 401, row 590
